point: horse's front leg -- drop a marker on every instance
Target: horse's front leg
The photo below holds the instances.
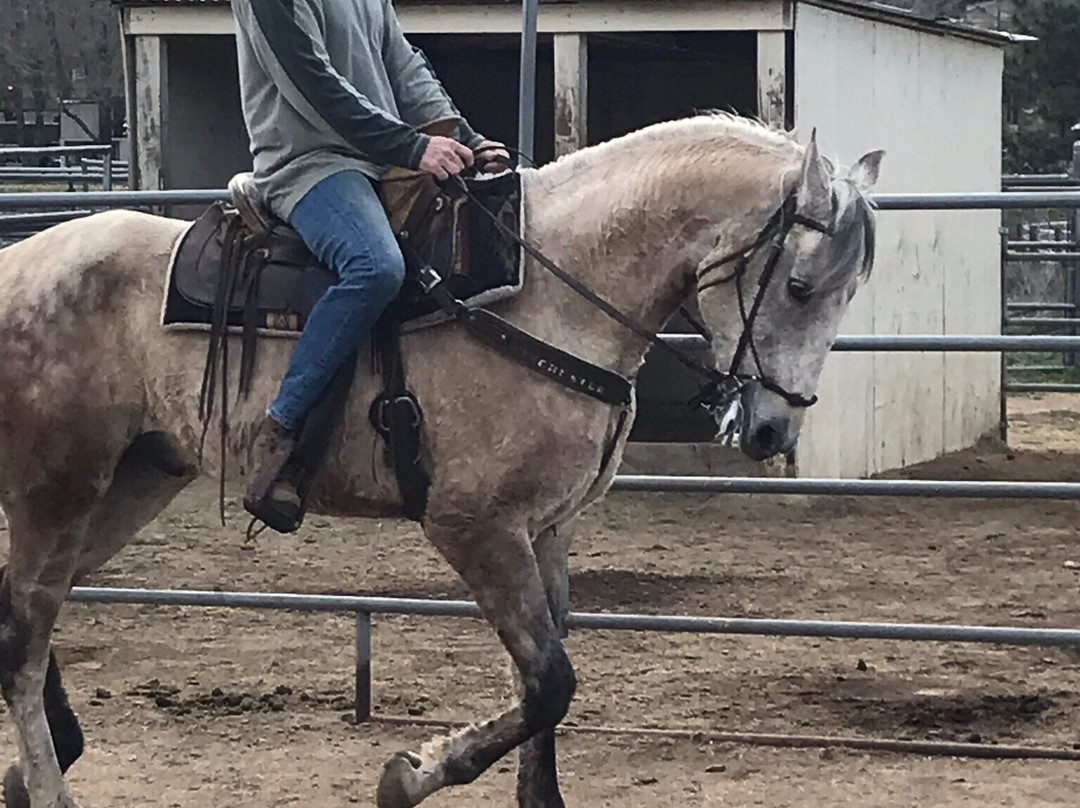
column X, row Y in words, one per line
column 497, row 562
column 538, row 779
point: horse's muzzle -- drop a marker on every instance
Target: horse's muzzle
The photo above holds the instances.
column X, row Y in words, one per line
column 768, row 427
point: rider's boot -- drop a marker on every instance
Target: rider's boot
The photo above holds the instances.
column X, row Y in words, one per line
column 273, row 496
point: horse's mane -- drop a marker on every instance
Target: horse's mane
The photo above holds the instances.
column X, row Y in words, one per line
column 659, row 161
column 708, row 136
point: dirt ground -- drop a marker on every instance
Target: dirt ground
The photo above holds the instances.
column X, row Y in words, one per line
column 185, row 707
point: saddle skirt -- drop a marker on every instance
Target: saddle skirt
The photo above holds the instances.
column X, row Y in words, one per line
column 257, row 275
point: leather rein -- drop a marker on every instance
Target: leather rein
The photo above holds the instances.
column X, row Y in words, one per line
column 720, row 387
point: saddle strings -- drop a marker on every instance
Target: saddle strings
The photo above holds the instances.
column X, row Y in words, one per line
column 219, row 347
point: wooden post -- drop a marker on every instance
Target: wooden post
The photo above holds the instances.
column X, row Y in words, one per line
column 571, row 93
column 151, row 112
column 127, row 46
column 772, row 78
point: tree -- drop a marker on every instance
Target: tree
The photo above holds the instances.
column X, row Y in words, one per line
column 1042, row 86
column 52, row 50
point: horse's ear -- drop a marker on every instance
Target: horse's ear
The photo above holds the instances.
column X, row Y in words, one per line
column 864, row 174
column 814, row 199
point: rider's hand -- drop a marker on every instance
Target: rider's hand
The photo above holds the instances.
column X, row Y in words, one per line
column 445, row 157
column 492, row 156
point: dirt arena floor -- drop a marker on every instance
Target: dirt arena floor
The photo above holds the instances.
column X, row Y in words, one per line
column 192, row 707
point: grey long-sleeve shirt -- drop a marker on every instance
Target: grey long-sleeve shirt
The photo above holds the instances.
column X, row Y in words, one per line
column 331, row 85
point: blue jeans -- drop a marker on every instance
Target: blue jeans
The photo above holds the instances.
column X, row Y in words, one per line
column 342, row 221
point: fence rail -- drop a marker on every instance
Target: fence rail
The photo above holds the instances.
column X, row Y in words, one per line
column 87, row 150
column 976, row 489
column 984, row 201
column 364, row 607
column 953, row 343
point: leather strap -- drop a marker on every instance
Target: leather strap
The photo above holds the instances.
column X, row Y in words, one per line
column 525, row 349
column 396, row 415
column 547, row 360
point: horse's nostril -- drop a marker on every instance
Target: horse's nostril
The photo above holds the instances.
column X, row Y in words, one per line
column 768, row 437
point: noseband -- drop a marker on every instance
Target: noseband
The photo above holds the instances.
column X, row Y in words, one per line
column 721, row 387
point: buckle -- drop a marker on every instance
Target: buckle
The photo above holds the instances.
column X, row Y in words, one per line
column 379, row 417
column 413, row 407
column 428, row 278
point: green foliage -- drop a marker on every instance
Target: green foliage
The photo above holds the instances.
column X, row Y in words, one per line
column 1042, row 87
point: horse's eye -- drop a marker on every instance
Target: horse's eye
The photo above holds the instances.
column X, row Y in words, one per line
column 800, row 289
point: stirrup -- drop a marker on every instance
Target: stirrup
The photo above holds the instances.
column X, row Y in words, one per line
column 284, row 515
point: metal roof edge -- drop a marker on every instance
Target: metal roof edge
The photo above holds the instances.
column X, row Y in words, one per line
column 898, row 16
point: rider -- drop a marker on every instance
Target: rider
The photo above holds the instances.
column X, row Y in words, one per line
column 333, row 94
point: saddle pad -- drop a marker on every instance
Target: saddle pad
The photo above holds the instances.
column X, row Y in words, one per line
column 479, row 265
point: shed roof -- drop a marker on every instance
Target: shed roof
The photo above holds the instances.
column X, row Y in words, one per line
column 907, row 13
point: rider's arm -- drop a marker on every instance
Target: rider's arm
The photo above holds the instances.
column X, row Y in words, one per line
column 291, row 48
column 420, row 96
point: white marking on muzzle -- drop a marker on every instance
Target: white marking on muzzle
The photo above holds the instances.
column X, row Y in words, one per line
column 730, row 423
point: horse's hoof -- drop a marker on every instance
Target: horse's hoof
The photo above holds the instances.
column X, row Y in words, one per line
column 399, row 786
column 15, row 793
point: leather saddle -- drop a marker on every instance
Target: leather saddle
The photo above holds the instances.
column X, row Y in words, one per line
column 241, row 261
column 252, row 268
column 254, row 272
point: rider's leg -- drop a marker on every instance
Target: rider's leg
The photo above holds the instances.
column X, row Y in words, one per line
column 342, row 221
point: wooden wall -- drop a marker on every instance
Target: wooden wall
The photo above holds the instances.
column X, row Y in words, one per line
column 933, row 103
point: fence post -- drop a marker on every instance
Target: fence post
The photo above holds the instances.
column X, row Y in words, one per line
column 1072, row 282
column 1003, row 395
column 106, row 171
column 363, row 667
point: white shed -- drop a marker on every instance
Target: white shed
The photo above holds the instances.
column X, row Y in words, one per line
column 865, row 76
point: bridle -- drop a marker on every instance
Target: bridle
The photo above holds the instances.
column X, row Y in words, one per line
column 720, row 387
column 718, row 393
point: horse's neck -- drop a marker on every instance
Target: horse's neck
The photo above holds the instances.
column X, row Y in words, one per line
column 632, row 243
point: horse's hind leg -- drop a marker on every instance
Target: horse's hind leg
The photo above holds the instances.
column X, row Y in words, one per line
column 499, row 567
column 538, row 779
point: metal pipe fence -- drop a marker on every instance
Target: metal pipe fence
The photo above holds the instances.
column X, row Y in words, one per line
column 1037, row 368
column 952, row 343
column 958, row 201
column 1043, row 321
column 1041, row 387
column 94, row 163
column 1040, row 306
column 1042, row 256
column 364, row 607
column 969, row 489
column 1038, row 247
column 86, row 150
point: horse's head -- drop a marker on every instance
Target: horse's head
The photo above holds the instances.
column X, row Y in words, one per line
column 775, row 309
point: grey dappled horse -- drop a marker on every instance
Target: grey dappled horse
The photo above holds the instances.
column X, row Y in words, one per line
column 99, row 423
